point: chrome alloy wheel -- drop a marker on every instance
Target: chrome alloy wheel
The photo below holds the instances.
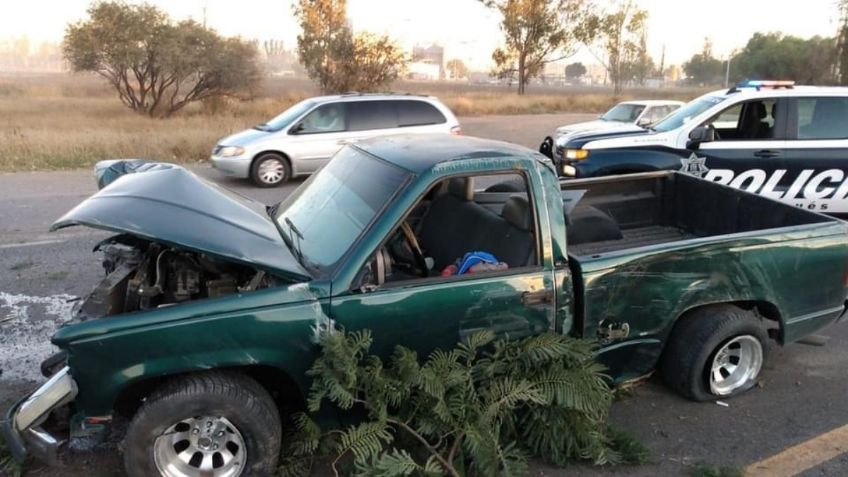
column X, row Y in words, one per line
column 271, row 171
column 736, row 365
column 200, row 446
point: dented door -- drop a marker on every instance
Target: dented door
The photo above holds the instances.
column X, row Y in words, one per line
column 438, row 313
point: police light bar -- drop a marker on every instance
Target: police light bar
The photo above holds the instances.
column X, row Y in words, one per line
column 760, row 84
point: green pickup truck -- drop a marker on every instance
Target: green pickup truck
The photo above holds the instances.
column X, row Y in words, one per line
column 208, row 317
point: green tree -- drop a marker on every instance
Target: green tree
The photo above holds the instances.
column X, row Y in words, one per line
column 775, row 56
column 457, row 68
column 703, row 68
column 338, row 60
column 536, row 32
column 575, row 71
column 156, row 66
column 637, row 65
column 614, row 37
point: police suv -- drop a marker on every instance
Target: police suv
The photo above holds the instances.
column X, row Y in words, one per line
column 783, row 141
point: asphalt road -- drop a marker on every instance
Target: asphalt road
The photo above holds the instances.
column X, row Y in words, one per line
column 802, row 394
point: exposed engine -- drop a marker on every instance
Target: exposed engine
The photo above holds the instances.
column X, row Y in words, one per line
column 143, row 275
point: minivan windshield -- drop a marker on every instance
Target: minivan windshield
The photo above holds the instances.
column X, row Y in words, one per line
column 623, row 113
column 285, row 118
column 324, row 217
column 686, row 112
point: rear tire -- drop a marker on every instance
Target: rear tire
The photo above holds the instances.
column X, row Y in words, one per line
column 270, row 170
column 715, row 352
column 222, row 420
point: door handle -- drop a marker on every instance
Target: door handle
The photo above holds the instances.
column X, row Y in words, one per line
column 535, row 298
column 767, row 153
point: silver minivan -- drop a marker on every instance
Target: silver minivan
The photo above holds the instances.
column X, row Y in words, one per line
column 304, row 137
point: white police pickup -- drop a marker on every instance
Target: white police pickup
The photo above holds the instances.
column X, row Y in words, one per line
column 783, row 141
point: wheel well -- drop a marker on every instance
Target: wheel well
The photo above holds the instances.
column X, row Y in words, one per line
column 762, row 308
column 272, row 151
column 282, row 388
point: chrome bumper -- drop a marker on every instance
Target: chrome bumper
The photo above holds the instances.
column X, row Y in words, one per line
column 21, row 425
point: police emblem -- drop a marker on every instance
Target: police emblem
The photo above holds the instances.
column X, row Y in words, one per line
column 694, row 166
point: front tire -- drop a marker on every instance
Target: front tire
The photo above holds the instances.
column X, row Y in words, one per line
column 270, row 170
column 219, row 424
column 715, row 352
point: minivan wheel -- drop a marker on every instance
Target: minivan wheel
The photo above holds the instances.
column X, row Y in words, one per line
column 715, row 352
column 218, row 424
column 270, row 170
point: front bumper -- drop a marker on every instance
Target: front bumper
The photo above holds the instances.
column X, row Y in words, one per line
column 21, row 426
column 232, row 166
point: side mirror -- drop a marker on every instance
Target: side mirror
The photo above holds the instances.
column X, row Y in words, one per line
column 700, row 135
column 296, row 129
column 643, row 122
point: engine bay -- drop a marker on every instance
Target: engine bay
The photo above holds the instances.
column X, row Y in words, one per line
column 144, row 275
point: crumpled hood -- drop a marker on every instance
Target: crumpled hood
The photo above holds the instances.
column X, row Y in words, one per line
column 174, row 206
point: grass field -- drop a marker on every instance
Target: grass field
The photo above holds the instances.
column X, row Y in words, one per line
column 70, row 121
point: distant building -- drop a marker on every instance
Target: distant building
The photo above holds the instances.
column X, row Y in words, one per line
column 432, row 55
column 420, row 70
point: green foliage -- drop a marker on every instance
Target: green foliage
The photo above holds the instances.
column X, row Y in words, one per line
column 703, row 68
column 536, row 32
column 702, row 469
column 616, row 38
column 575, row 70
column 476, row 410
column 156, row 66
column 778, row 56
column 338, row 60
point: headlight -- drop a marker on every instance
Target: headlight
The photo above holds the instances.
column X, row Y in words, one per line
column 576, row 154
column 231, row 151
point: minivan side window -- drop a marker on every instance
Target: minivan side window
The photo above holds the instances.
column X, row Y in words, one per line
column 822, row 118
column 326, row 118
column 368, row 115
column 418, row 113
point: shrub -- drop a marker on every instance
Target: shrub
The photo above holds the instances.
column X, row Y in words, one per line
column 479, row 409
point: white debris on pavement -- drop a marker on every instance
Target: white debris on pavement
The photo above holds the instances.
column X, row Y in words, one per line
column 26, row 325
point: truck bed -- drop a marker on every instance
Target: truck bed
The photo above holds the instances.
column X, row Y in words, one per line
column 632, row 238
column 624, row 212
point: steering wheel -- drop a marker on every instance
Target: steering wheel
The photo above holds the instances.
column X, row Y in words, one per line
column 418, row 256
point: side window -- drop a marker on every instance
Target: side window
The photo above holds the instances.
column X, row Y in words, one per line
column 368, row 115
column 462, row 225
column 751, row 120
column 326, row 118
column 418, row 113
column 822, row 118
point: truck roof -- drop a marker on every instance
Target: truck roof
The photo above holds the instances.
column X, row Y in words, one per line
column 420, row 152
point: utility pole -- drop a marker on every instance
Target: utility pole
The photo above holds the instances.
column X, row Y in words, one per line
column 727, row 72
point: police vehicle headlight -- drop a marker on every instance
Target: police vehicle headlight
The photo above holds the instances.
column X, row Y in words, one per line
column 231, row 151
column 569, row 171
column 576, row 154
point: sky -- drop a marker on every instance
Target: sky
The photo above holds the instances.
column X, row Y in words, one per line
column 466, row 28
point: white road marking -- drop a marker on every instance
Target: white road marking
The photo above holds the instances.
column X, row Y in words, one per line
column 32, row 244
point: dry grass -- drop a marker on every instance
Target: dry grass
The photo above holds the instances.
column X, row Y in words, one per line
column 64, row 122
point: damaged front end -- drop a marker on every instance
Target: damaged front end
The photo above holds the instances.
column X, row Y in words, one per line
column 179, row 240
column 143, row 275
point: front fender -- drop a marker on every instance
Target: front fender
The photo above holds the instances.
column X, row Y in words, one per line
column 605, row 162
column 274, row 327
